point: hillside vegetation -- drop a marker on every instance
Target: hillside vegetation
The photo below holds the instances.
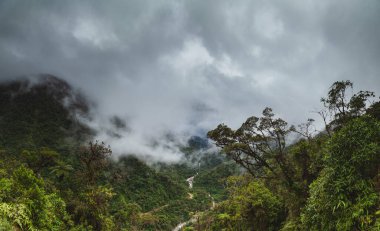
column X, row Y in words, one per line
column 327, row 180
column 55, row 176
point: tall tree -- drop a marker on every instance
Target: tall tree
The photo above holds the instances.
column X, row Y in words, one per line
column 344, row 196
column 343, row 105
column 94, row 159
column 258, row 145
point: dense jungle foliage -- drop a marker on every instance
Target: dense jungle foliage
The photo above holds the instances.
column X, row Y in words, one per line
column 325, row 180
column 55, row 177
column 268, row 176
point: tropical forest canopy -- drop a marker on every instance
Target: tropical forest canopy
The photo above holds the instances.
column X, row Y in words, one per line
column 266, row 174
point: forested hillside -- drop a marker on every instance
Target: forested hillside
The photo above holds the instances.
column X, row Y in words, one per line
column 55, row 176
column 325, row 180
column 268, row 174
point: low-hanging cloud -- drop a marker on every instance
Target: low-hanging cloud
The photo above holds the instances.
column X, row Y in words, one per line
column 173, row 69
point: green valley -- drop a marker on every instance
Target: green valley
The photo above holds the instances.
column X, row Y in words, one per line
column 55, row 176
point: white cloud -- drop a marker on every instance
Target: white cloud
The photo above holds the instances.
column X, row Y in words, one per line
column 194, row 57
column 191, row 56
column 179, row 68
column 268, row 24
column 227, row 67
column 90, row 31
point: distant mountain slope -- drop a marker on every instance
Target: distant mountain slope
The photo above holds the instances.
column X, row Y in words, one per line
column 141, row 184
column 40, row 112
column 41, row 135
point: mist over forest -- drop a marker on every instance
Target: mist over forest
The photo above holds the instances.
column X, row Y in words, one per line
column 189, row 115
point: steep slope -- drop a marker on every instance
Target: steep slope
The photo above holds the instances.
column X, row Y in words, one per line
column 40, row 113
column 42, row 138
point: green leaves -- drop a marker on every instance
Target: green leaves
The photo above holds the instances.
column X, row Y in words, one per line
column 258, row 145
column 250, row 204
column 94, row 159
column 344, row 106
column 40, row 158
column 343, row 197
column 335, row 174
column 25, row 203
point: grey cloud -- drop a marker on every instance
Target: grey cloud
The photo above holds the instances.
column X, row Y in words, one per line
column 182, row 67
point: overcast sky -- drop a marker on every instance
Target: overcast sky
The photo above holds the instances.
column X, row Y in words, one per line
column 183, row 67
